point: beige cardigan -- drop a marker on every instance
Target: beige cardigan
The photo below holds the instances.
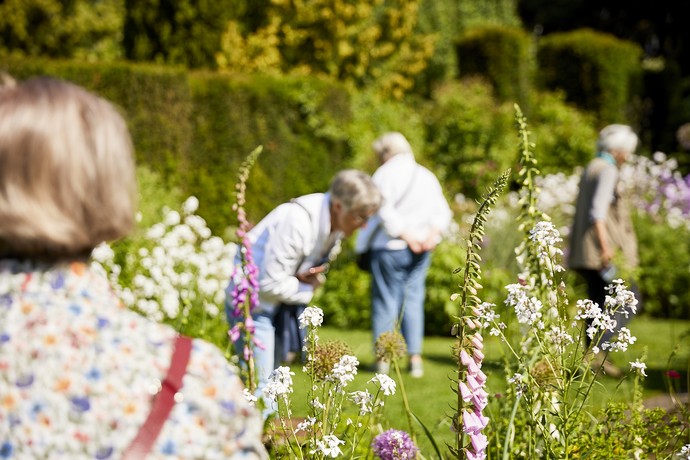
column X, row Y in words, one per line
column 585, row 251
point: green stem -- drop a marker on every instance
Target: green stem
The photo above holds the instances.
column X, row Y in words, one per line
column 406, row 403
column 511, row 430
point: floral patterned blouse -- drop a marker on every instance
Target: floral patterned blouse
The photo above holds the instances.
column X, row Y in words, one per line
column 78, row 370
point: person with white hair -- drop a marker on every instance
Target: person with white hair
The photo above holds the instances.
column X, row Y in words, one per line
column 602, row 238
column 400, row 239
column 292, row 248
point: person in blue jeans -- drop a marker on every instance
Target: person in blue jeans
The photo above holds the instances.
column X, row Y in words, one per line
column 291, row 247
column 401, row 237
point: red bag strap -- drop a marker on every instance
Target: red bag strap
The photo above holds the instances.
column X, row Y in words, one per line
column 163, row 402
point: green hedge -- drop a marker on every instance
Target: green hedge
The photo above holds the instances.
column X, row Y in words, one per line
column 299, row 123
column 597, row 71
column 195, row 129
column 470, row 136
column 155, row 101
column 500, row 54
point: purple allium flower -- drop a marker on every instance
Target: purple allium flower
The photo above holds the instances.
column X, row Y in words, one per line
column 394, row 445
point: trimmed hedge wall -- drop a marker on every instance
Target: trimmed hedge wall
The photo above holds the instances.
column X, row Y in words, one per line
column 502, row 56
column 597, row 71
column 296, row 120
column 196, row 129
column 155, row 101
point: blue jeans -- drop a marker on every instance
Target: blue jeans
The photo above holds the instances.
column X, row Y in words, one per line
column 398, row 281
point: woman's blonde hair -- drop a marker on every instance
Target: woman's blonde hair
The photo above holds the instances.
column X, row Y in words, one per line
column 67, row 179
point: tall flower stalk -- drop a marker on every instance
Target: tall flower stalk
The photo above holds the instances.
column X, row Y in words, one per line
column 245, row 292
column 549, row 383
column 391, row 348
column 529, row 262
column 469, row 421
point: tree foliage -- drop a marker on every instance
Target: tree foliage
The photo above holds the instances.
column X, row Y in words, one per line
column 360, row 42
column 84, row 29
column 182, row 32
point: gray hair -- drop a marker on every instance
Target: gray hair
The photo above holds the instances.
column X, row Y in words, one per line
column 67, row 180
column 617, row 137
column 356, row 191
column 391, row 144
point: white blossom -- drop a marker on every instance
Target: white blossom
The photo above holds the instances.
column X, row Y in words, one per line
column 638, row 367
column 251, row 399
column 190, row 205
column 363, row 399
column 306, row 424
column 344, row 371
column 527, row 309
column 329, row 446
column 559, row 337
column 279, row 383
column 386, row 384
column 311, row 317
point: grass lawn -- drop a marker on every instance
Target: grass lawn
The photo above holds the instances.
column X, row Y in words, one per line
column 431, row 398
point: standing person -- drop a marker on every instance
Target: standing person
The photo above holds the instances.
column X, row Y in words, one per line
column 401, row 237
column 602, row 230
column 83, row 377
column 291, row 248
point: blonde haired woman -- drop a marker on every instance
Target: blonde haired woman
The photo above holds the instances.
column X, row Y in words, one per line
column 81, row 376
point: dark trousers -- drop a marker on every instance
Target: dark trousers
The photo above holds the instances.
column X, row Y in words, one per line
column 596, row 292
column 289, row 337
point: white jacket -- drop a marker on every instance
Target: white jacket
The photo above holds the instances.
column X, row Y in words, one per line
column 413, row 202
column 289, row 240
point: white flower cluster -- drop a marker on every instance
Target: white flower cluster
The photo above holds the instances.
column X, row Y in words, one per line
column 344, row 371
column 527, row 309
column 546, row 237
column 311, row 317
column 279, row 383
column 601, row 321
column 622, row 341
column 684, row 452
column 364, row 400
column 622, row 301
column 306, row 424
column 181, row 265
column 559, row 337
column 328, row 446
column 638, row 367
column 386, row 384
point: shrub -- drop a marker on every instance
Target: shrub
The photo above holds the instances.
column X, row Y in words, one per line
column 565, row 134
column 299, row 122
column 663, row 280
column 466, row 136
column 155, row 101
column 501, row 55
column 597, row 71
